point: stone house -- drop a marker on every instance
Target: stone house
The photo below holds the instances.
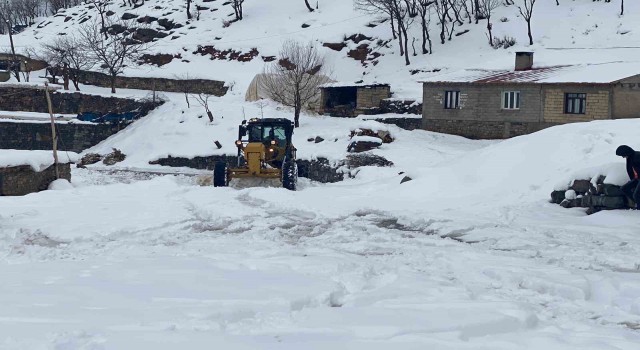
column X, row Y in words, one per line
column 350, row 100
column 8, row 61
column 494, row 104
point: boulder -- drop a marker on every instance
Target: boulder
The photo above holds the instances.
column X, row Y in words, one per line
column 363, row 143
column 147, row 35
column 612, row 190
column 318, row 139
column 89, row 158
column 568, row 203
column 582, row 186
column 405, row 179
column 114, row 157
column 166, row 23
column 127, row 16
column 557, row 197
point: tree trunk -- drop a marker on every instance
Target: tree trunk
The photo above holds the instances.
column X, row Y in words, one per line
column 188, row 9
column 210, row 115
column 529, row 31
column 306, row 2
column 425, row 30
column 406, row 46
column 393, row 29
column 13, row 53
column 113, row 83
column 75, row 83
column 65, row 76
column 296, row 117
column 621, row 7
column 489, row 27
column 477, row 2
column 400, row 40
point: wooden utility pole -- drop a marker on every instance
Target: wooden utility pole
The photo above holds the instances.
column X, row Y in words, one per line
column 54, row 136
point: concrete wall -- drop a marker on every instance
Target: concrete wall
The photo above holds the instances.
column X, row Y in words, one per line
column 598, row 103
column 626, row 98
column 22, row 180
column 37, row 136
column 212, row 87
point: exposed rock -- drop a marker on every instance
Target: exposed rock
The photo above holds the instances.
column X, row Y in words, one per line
column 568, row 203
column 147, row 35
column 357, row 38
column 147, row 19
column 383, row 135
column 114, row 157
column 89, row 158
column 582, row 186
column 158, row 59
column 363, row 143
column 127, row 16
column 268, row 58
column 230, row 55
column 318, row 139
column 612, row 190
column 166, row 23
column 335, row 46
column 405, row 179
column 557, row 197
column 116, row 29
column 367, row 159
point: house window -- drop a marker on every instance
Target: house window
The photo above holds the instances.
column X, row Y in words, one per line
column 511, row 100
column 451, row 99
column 575, row 103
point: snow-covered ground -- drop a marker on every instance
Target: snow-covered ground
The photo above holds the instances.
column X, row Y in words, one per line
column 468, row 255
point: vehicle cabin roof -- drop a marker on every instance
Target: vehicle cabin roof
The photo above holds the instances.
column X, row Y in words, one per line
column 602, row 73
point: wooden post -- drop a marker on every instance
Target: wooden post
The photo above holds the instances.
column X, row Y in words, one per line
column 54, row 136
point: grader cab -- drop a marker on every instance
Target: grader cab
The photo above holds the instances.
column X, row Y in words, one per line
column 264, row 151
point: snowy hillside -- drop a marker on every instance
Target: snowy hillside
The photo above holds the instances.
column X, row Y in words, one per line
column 469, row 254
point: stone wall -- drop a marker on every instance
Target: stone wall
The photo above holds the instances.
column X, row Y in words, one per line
column 400, row 106
column 32, row 99
column 371, row 96
column 597, row 103
column 37, row 136
column 482, row 102
column 478, row 129
column 212, row 87
column 22, row 180
column 405, row 123
column 320, row 169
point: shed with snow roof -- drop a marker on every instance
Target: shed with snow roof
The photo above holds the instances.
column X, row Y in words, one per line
column 493, row 104
column 352, row 99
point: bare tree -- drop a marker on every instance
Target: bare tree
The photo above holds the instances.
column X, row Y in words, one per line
column 486, row 9
column 102, row 6
column 424, row 11
column 294, row 79
column 185, row 86
column 203, row 100
column 621, row 7
column 189, row 9
column 114, row 53
column 67, row 55
column 237, row 8
column 306, row 2
column 401, row 14
column 527, row 13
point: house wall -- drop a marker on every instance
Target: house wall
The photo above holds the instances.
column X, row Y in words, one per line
column 370, row 97
column 480, row 114
column 598, row 103
column 626, row 98
column 22, row 180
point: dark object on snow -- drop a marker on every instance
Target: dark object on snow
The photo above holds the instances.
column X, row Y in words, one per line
column 632, row 188
column 596, row 198
column 367, row 159
column 114, row 157
column 405, row 179
column 89, row 158
column 109, row 117
column 557, row 197
column 358, row 146
column 318, row 139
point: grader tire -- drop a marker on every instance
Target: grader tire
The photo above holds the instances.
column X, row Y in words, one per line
column 220, row 177
column 290, row 175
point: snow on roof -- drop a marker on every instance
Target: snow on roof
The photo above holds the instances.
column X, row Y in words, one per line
column 349, row 84
column 602, row 73
column 38, row 160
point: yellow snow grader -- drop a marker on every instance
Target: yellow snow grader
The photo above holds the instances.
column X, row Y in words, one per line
column 264, row 151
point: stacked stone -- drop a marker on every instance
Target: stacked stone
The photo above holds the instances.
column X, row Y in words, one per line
column 584, row 194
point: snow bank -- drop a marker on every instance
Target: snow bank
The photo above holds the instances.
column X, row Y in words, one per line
column 38, row 160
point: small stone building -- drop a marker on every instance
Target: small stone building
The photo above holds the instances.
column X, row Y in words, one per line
column 26, row 64
column 494, row 104
column 350, row 100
